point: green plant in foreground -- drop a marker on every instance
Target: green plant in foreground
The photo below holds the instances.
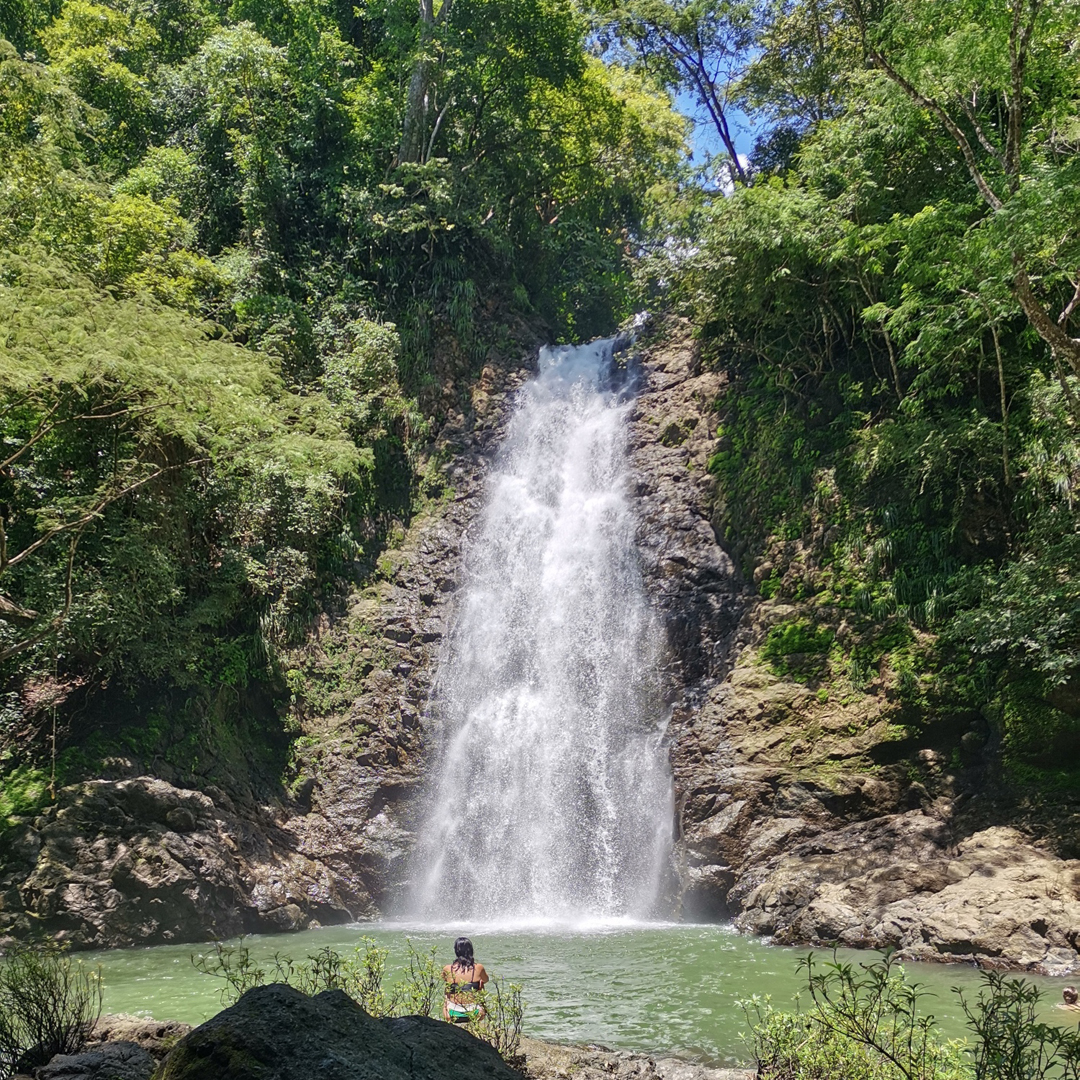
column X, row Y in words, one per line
column 864, row 1023
column 1010, row 1044
column 360, row 974
column 48, row 1004
column 503, row 1012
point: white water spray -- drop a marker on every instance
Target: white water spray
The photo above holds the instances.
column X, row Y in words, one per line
column 551, row 795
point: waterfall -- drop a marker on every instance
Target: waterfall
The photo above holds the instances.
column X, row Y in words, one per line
column 551, row 794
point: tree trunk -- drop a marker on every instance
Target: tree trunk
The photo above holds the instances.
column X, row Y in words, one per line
column 414, row 133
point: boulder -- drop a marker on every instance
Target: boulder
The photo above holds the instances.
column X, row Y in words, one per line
column 277, row 1033
column 156, row 1037
column 111, row 1061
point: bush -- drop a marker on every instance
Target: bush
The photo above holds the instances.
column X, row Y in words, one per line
column 48, row 1004
column 1010, row 1045
column 790, row 1046
column 418, row 992
column 500, row 1024
column 360, row 974
column 864, row 1023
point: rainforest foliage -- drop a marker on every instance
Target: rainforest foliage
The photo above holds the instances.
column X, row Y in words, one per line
column 895, row 291
column 241, row 247
column 244, row 245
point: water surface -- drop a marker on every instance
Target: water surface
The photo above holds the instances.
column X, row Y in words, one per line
column 657, row 988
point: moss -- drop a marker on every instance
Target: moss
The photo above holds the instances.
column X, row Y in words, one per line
column 1040, row 743
column 23, row 790
column 797, row 649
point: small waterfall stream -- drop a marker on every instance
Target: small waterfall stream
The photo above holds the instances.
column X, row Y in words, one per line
column 551, row 794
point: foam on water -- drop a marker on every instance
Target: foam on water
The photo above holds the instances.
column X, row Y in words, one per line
column 551, row 801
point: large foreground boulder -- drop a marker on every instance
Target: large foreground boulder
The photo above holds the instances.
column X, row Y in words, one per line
column 277, row 1033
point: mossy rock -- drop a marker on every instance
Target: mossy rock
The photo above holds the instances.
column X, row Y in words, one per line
column 277, row 1033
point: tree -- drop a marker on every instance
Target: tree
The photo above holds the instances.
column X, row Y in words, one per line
column 982, row 71
column 416, row 133
column 700, row 46
column 802, row 53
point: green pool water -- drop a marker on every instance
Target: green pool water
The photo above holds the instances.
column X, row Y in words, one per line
column 659, row 988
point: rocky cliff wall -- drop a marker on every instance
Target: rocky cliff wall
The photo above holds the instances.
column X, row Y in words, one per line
column 136, row 859
column 806, row 808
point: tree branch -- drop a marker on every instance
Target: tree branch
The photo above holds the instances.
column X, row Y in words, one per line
column 984, row 142
column 1070, row 307
column 1054, row 334
column 89, row 515
column 44, row 428
column 12, row 613
column 1019, row 46
column 58, row 620
column 916, row 95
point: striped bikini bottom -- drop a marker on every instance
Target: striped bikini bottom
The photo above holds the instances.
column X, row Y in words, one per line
column 462, row 1014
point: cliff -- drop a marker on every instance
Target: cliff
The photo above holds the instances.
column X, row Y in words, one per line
column 810, row 806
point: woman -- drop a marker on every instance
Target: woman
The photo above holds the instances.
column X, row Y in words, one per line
column 463, row 978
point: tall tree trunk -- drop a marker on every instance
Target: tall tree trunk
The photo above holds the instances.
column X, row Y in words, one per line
column 414, row 133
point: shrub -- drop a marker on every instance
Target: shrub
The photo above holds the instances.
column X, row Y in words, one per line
column 1010, row 1045
column 500, row 1024
column 864, row 1023
column 48, row 1004
column 360, row 975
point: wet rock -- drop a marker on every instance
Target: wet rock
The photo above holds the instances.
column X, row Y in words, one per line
column 800, row 817
column 112, row 1061
column 277, row 1033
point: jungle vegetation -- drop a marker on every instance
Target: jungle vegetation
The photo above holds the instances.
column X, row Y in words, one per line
column 893, row 286
column 244, row 245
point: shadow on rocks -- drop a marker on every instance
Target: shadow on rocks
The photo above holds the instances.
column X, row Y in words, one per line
column 277, row 1033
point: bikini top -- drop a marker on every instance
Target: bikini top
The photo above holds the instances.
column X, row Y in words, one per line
column 463, row 988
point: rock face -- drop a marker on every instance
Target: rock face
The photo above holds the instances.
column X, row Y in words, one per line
column 141, row 861
column 549, row 1061
column 277, row 1033
column 801, row 817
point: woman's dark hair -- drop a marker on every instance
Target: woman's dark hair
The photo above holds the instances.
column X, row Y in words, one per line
column 463, row 954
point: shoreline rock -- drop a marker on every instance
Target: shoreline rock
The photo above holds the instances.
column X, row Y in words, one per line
column 556, row 1061
column 800, row 817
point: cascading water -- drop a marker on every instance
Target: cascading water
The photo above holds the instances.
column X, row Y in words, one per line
column 551, row 795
